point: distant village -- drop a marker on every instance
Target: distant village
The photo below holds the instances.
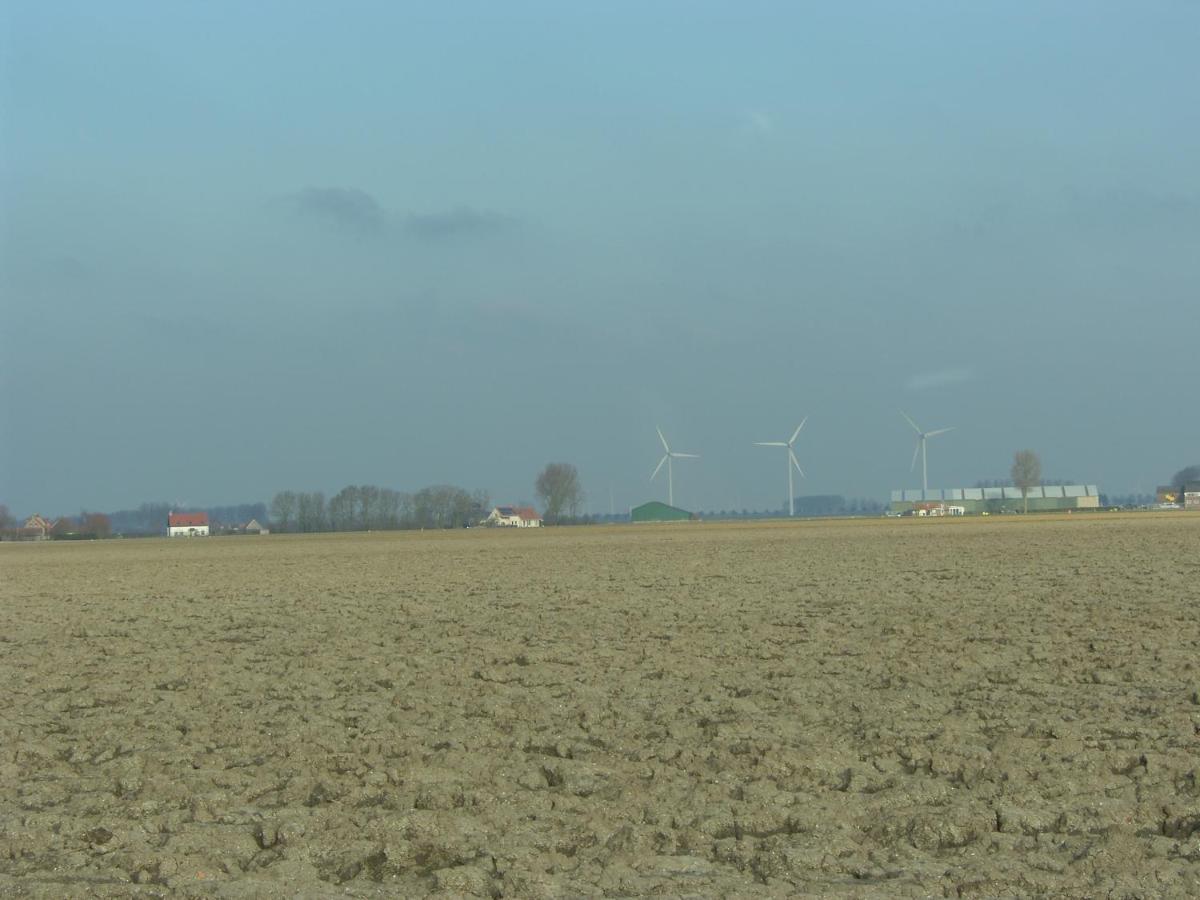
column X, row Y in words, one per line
column 371, row 508
column 933, row 503
column 96, row 526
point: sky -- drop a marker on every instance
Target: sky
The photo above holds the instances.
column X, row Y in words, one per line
column 281, row 245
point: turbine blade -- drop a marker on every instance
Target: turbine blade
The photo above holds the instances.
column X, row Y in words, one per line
column 659, row 466
column 796, row 433
column 907, row 418
column 796, row 463
column 930, row 434
column 661, row 438
column 769, row 444
column 685, row 455
column 916, row 450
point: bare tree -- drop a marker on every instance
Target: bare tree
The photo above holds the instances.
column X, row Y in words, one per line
column 441, row 506
column 388, row 506
column 1026, row 472
column 365, row 507
column 342, row 509
column 368, row 500
column 371, row 507
column 283, row 510
column 310, row 512
column 94, row 523
column 481, row 505
column 559, row 489
column 64, row 526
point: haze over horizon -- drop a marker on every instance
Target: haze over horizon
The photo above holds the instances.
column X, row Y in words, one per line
column 247, row 248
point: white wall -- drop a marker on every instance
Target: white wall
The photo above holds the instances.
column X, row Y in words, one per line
column 188, row 531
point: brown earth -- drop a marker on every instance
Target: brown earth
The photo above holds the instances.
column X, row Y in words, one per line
column 860, row 708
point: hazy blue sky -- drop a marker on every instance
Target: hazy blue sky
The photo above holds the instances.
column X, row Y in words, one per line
column 255, row 246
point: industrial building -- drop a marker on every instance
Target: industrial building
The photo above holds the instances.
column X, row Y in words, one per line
column 1043, row 498
column 1186, row 495
column 654, row 511
column 1168, row 495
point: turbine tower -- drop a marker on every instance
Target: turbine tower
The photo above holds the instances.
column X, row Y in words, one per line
column 791, row 461
column 922, row 437
column 668, row 456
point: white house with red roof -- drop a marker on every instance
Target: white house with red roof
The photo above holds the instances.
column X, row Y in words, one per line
column 514, row 517
column 187, row 524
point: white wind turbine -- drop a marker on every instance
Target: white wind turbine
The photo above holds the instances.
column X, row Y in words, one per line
column 669, row 455
column 922, row 437
column 791, row 461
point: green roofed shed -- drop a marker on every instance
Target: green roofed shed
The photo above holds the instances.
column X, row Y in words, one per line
column 659, row 512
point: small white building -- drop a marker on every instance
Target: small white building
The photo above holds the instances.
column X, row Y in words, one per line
column 187, row 524
column 514, row 517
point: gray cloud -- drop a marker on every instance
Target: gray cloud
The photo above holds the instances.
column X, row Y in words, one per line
column 462, row 221
column 758, row 121
column 348, row 208
column 1134, row 208
column 356, row 210
column 68, row 268
column 928, row 380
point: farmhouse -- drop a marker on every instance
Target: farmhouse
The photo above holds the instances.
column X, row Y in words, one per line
column 36, row 528
column 514, row 517
column 187, row 524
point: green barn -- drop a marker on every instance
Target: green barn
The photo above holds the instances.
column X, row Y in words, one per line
column 659, row 512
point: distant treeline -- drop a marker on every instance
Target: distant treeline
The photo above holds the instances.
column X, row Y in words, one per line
column 812, row 505
column 151, row 518
column 367, row 507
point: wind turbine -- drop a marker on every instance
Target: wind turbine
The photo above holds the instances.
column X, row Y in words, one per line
column 791, row 461
column 669, row 455
column 922, row 437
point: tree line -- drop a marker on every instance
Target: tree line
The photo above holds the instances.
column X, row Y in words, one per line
column 367, row 507
column 87, row 526
column 151, row 518
column 806, row 506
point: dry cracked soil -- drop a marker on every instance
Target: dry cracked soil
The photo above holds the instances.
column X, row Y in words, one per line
column 847, row 708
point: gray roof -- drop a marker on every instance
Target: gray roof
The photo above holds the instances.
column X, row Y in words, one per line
column 946, row 495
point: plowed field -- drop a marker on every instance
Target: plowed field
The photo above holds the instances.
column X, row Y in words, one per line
column 861, row 708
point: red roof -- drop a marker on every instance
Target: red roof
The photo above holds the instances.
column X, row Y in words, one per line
column 528, row 513
column 186, row 520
